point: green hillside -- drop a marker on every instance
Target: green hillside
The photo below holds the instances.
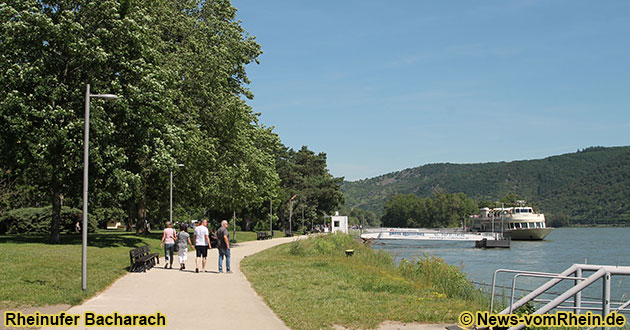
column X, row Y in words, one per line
column 589, row 185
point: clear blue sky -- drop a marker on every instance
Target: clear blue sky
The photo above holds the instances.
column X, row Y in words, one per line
column 386, row 85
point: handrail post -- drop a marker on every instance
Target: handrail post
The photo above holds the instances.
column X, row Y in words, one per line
column 494, row 282
column 577, row 300
column 513, row 292
column 606, row 295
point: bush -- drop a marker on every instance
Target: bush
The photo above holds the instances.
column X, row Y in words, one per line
column 36, row 220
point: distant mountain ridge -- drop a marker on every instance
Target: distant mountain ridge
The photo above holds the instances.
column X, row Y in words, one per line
column 592, row 184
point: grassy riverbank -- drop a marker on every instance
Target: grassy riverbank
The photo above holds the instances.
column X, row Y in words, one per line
column 36, row 273
column 311, row 284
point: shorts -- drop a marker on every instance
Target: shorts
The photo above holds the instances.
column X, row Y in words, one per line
column 202, row 251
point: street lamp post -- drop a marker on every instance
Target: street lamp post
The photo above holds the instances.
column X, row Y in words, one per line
column 86, row 148
column 291, row 214
column 271, row 217
column 170, row 218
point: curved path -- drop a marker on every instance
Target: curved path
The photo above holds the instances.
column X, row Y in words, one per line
column 191, row 300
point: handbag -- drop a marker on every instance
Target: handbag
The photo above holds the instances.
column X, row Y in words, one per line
column 176, row 246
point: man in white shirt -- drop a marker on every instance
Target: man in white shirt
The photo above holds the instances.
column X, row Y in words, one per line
column 202, row 244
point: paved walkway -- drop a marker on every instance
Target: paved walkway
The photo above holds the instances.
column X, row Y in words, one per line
column 190, row 300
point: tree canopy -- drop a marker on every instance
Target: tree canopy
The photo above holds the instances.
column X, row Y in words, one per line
column 179, row 69
column 439, row 211
column 305, row 178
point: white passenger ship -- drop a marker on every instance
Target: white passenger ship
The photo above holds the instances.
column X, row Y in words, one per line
column 519, row 222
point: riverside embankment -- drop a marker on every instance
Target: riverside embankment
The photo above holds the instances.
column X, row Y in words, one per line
column 311, row 284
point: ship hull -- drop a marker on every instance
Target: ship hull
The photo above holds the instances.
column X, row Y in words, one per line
column 528, row 234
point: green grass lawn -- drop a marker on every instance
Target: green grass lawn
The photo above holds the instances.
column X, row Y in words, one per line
column 311, row 284
column 36, row 273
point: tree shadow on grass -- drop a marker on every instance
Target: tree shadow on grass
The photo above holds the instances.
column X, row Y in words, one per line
column 100, row 240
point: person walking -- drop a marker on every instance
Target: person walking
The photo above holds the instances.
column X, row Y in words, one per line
column 168, row 241
column 214, row 241
column 183, row 241
column 202, row 243
column 224, row 247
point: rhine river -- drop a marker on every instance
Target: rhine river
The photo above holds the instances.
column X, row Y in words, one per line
column 561, row 249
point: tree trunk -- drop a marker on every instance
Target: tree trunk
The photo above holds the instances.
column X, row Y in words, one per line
column 56, row 210
column 281, row 217
column 141, row 224
column 247, row 224
column 131, row 216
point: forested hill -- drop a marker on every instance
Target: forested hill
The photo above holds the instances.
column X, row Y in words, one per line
column 589, row 185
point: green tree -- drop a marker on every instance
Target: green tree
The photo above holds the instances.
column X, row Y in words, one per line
column 401, row 210
column 441, row 210
column 50, row 50
column 179, row 67
column 558, row 220
column 510, row 199
column 304, row 174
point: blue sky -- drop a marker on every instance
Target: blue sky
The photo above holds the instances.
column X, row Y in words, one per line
column 385, row 85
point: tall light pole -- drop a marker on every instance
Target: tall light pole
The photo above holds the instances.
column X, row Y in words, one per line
column 303, row 230
column 86, row 149
column 290, row 215
column 234, row 226
column 271, row 216
column 170, row 218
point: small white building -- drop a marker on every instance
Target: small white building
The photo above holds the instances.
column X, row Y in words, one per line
column 339, row 223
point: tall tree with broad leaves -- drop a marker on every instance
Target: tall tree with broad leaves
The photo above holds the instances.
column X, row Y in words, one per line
column 179, row 67
column 50, row 50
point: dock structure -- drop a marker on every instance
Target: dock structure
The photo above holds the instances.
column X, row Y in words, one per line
column 427, row 234
column 490, row 244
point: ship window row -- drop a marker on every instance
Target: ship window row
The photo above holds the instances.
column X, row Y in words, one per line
column 523, row 210
column 524, row 225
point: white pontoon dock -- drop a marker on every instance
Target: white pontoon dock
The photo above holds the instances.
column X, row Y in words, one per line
column 427, row 234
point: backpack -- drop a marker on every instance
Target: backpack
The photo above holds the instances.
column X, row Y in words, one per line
column 214, row 241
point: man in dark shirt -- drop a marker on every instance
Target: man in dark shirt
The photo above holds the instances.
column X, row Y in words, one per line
column 224, row 247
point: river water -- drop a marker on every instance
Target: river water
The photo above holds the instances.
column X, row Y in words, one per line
column 561, row 249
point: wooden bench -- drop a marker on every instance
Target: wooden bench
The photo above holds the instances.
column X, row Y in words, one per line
column 142, row 259
column 261, row 235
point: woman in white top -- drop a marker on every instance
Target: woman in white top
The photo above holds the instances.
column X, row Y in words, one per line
column 168, row 240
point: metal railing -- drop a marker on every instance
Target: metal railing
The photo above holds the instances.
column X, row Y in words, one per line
column 580, row 282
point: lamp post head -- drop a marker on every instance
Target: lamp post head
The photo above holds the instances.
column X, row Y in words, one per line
column 105, row 96
column 180, row 165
